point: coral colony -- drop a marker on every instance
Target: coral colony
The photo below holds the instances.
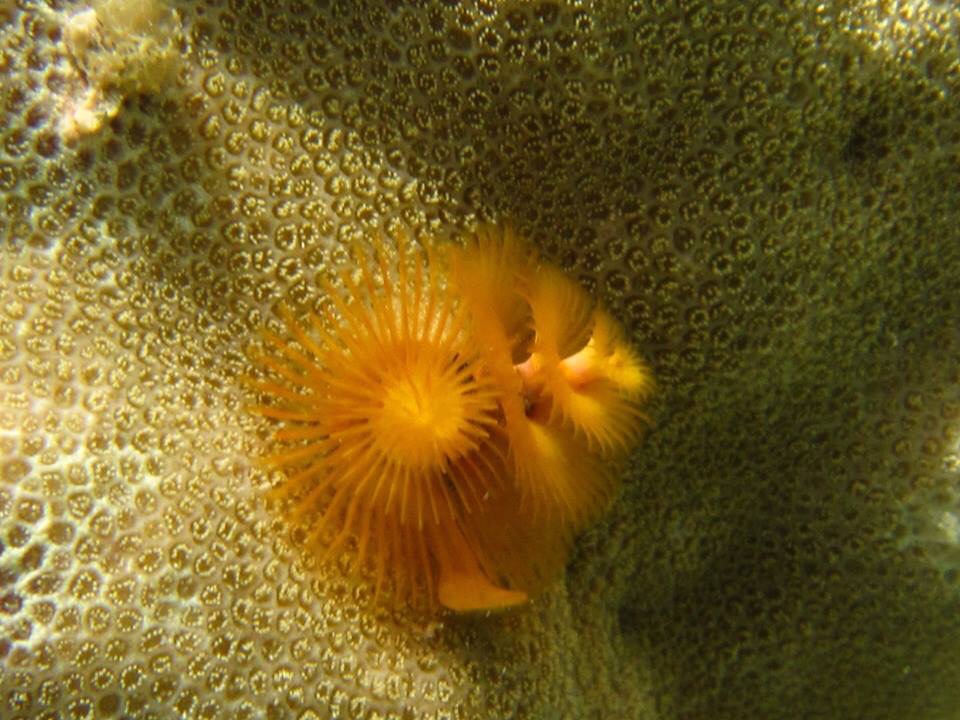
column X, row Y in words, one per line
column 455, row 419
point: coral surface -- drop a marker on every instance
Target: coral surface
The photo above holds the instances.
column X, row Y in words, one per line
column 763, row 192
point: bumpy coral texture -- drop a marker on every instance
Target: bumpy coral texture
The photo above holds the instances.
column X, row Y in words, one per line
column 763, row 191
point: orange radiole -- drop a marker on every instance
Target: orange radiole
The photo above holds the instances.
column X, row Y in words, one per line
column 453, row 421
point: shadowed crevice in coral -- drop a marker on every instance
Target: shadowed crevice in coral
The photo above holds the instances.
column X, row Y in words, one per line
column 869, row 138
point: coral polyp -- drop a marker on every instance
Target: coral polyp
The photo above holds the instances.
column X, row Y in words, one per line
column 451, row 421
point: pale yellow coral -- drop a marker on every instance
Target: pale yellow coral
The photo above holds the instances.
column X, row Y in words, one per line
column 113, row 48
column 764, row 192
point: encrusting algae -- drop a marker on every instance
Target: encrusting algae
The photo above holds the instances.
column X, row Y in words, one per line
column 456, row 419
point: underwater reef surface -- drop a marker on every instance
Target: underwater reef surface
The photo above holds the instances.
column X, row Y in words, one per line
column 764, row 193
